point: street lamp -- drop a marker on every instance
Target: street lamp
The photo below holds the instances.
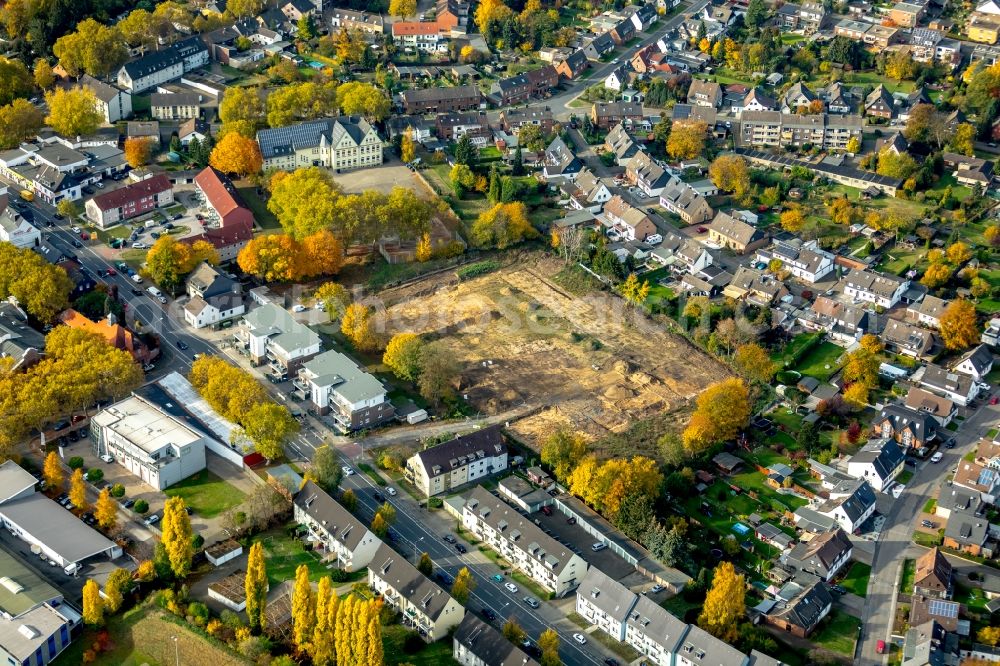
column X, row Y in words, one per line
column 177, row 653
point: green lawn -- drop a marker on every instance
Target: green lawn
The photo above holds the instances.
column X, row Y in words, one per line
column 678, row 606
column 624, row 651
column 820, row 361
column 856, row 580
column 264, row 217
column 928, row 540
column 838, row 633
column 929, row 505
column 906, row 579
column 367, row 469
column 283, row 555
column 973, row 597
column 904, row 477
column 755, row 481
column 431, row 654
column 206, row 493
column 789, row 352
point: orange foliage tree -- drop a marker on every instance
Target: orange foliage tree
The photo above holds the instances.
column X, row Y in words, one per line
column 236, row 154
column 138, row 151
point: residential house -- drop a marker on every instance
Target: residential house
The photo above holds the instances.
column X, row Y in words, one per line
column 757, row 100
column 113, row 103
column 15, row 228
column 842, row 322
column 928, row 45
column 453, row 126
column 912, row 429
column 605, row 602
column 971, row 171
column 516, row 538
column 512, row 120
column 928, row 310
column 644, row 17
column 851, row 503
column 879, row 104
column 806, row 261
column 798, row 96
column 977, row 363
column 735, row 234
column 881, row 36
column 336, row 534
column 228, row 209
column 704, row 93
column 588, row 192
column 983, row 479
column 683, row 200
column 214, row 298
column 930, row 644
column 683, row 254
column 933, row 575
column 958, row 501
column 967, row 533
column 629, row 222
column 350, row 19
column 606, row 115
column 463, row 460
column 811, row 17
column 175, row 106
column 194, row 128
column 453, row 15
column 420, row 36
column 415, row 596
column 168, row 63
column 983, row 28
column 598, row 46
column 108, row 209
column 788, row 16
column 878, row 462
column 851, row 29
column 907, row 339
column 341, row 144
column 112, row 332
column 881, row 290
column 295, row 10
column 271, row 335
column 441, row 100
column 560, row 162
column 700, row 648
column 656, row 634
column 800, row 608
column 942, row 409
column 227, row 240
column 147, row 130
column 959, row 388
column 836, row 171
column 775, row 129
column 336, row 385
column 523, row 87
column 644, row 172
column 623, row 31
column 907, row 14
column 574, row 65
column 621, row 143
column 756, row 286
column 476, row 643
column 838, row 100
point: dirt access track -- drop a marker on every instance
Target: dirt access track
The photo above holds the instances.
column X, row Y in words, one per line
column 588, row 362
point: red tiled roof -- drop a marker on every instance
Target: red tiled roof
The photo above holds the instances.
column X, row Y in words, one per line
column 415, row 28
column 120, row 197
column 233, row 234
column 221, row 194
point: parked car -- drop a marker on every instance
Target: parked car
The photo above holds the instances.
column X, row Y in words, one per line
column 74, row 436
column 547, row 510
column 994, row 400
column 599, row 546
column 127, row 504
column 936, row 458
column 571, row 520
column 152, row 519
column 489, row 615
column 510, row 587
column 391, row 491
column 928, row 524
column 107, row 458
column 656, row 588
column 75, row 229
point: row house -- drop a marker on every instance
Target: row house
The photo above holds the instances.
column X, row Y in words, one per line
column 872, row 35
column 512, row 120
column 421, row 601
column 338, row 536
column 110, row 208
column 551, row 564
column 627, row 221
column 644, row 172
column 757, row 287
column 169, row 63
column 851, row 504
column 476, row 643
column 683, row 253
column 523, row 87
column 799, row 608
column 598, row 46
column 879, row 103
column 453, row 126
column 175, row 106
column 683, row 200
column 462, row 460
column 419, row 36
column 806, row 261
column 606, row 115
column 453, row 15
column 880, row 290
column 623, row 145
column 912, row 429
column 349, row 19
column 623, row 32
column 441, row 100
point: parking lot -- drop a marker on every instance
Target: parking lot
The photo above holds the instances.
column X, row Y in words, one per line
column 578, row 539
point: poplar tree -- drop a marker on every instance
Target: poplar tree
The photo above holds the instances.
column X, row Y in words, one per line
column 106, row 510
column 119, row 583
column 52, row 472
column 304, row 614
column 176, row 539
column 255, row 586
column 93, row 604
column 322, row 649
column 78, row 490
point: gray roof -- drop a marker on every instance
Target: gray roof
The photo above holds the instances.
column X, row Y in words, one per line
column 345, row 376
column 807, row 607
column 883, row 454
column 102, row 90
column 14, row 480
column 489, row 645
column 943, row 379
column 930, row 306
column 657, row 624
column 279, row 324
column 441, row 459
column 412, row 585
column 704, row 649
column 923, row 645
column 278, row 141
column 966, row 528
column 882, row 285
column 174, row 99
column 920, row 423
column 981, row 359
column 433, row 94
column 164, row 58
column 26, row 590
column 736, row 229
column 61, row 531
column 854, row 496
column 954, row 498
column 328, row 512
column 611, row 597
column 821, row 552
column 45, row 621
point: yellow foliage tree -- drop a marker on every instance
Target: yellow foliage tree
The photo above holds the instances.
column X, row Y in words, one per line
column 322, row 254
column 176, row 536
column 503, row 225
column 358, row 325
column 989, row 635
column 856, row 395
column 424, row 250
column 755, row 363
column 52, row 472
column 792, row 219
column 115, row 588
column 334, row 298
column 402, row 355
column 44, row 78
column 491, row 11
column 402, row 8
column 273, row 257
column 562, row 450
column 958, row 325
column 236, row 154
column 93, row 604
column 78, row 490
column 138, row 151
column 407, row 147
column 725, row 604
column 723, row 409
column 463, row 586
column 73, row 112
column 255, row 586
column 730, row 173
column 687, row 139
column 959, row 253
column 304, row 615
column 936, row 275
column 106, row 510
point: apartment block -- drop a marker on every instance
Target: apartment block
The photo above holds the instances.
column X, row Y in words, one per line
column 462, row 460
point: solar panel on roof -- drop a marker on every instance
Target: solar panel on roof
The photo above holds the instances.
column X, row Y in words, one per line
column 941, row 608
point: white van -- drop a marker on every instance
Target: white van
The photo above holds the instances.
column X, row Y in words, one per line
column 154, row 292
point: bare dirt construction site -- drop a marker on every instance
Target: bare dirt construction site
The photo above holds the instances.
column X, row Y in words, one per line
column 590, row 363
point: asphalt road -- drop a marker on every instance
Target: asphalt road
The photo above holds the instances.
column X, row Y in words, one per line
column 897, row 533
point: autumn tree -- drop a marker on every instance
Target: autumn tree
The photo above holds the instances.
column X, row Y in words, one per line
column 462, row 179
column 78, row 490
column 605, row 485
column 304, row 615
column 93, row 604
column 900, row 65
column 73, row 112
column 119, row 584
column 402, row 8
column 936, row 275
column 379, row 527
column 754, row 363
column 269, row 426
column 68, row 208
column 356, row 98
column 325, row 468
column 548, row 643
column 93, row 48
column 169, row 261
column 106, row 510
column 176, row 536
column 321, row 643
column 633, row 291
column 854, row 145
column 15, row 81
column 958, row 253
column 492, row 13
column 438, row 370
column 19, row 121
column 958, row 325
column 989, row 636
column 463, row 586
column 730, row 173
column 272, row 257
column 562, row 450
column 503, row 225
column 725, row 605
column 236, row 154
column 304, row 201
column 358, row 325
column 513, row 632
column 425, row 565
column 895, row 165
column 792, row 218
column 52, row 472
column 242, row 110
column 138, row 151
column 407, row 146
column 255, row 586
column 402, row 355
column 334, row 298
column 862, row 365
column 964, row 140
column 687, row 139
column 42, row 74
column 722, row 410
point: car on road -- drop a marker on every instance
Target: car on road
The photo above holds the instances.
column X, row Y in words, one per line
column 391, row 491
column 949, row 443
column 137, row 292
column 152, row 519
column 182, row 345
column 77, row 243
column 839, row 589
column 450, row 539
column 489, row 615
column 347, row 470
column 110, row 272
column 461, row 548
column 611, row 662
column 531, row 601
column 137, row 278
column 571, row 520
column 936, row 458
column 444, row 577
column 580, row 638
column 880, row 647
column 298, row 307
column 75, row 229
column 498, row 578
column 510, row 587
